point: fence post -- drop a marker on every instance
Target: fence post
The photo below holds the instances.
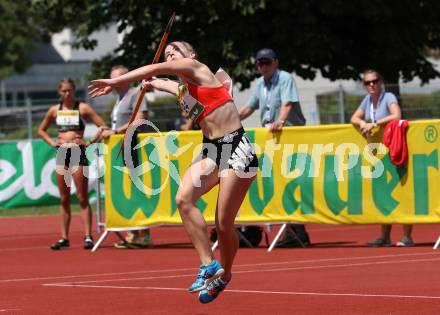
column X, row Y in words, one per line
column 3, row 92
column 99, row 224
column 341, row 104
column 29, row 117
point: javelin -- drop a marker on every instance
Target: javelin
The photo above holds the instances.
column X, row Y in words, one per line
column 144, row 90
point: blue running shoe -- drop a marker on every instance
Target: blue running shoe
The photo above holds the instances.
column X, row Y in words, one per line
column 212, row 291
column 206, row 275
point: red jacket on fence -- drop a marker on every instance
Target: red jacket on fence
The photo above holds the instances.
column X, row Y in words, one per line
column 394, row 138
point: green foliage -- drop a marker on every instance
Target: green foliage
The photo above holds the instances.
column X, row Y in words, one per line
column 339, row 38
column 17, row 34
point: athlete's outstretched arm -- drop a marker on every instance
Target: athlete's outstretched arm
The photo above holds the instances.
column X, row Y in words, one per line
column 163, row 85
column 181, row 68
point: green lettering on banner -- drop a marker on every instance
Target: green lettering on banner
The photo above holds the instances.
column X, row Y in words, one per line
column 127, row 206
column 10, row 156
column 302, row 182
column 331, row 187
column 201, row 205
column 421, row 163
column 174, row 186
column 259, row 203
column 382, row 188
column 172, row 145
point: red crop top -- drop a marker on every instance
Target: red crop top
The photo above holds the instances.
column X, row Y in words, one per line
column 210, row 97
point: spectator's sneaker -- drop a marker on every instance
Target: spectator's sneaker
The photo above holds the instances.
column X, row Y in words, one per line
column 405, row 242
column 62, row 243
column 212, row 291
column 207, row 274
column 88, row 242
column 380, row 242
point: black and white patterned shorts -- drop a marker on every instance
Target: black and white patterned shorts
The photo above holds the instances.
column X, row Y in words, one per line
column 233, row 151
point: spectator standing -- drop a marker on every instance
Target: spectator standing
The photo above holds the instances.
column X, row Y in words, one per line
column 70, row 116
column 276, row 96
column 183, row 122
column 120, row 116
column 377, row 109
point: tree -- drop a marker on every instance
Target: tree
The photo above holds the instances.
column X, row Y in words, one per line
column 19, row 32
column 339, row 38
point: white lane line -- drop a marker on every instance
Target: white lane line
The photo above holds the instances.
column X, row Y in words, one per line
column 396, row 296
column 95, row 275
column 258, row 271
column 348, row 258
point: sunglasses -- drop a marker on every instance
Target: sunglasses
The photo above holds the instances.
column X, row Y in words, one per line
column 264, row 63
column 369, row 82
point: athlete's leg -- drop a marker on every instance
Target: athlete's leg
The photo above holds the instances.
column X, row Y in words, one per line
column 81, row 184
column 232, row 190
column 200, row 178
column 64, row 180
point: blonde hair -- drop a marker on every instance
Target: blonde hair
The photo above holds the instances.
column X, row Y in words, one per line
column 187, row 46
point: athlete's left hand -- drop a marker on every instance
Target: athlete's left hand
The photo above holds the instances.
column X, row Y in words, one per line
column 100, row 87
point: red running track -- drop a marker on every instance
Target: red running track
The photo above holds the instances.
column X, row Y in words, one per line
column 337, row 275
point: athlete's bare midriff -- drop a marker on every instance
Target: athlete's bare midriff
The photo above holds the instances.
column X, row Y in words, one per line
column 70, row 136
column 221, row 121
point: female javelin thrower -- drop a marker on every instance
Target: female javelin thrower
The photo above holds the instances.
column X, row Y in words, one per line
column 228, row 157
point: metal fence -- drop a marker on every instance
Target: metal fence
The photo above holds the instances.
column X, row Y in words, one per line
column 22, row 121
column 334, row 104
column 337, row 106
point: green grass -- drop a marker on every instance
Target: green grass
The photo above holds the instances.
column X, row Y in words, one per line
column 35, row 211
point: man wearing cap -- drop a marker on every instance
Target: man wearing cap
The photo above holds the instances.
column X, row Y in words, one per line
column 276, row 96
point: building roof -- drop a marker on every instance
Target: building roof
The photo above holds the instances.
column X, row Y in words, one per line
column 45, row 53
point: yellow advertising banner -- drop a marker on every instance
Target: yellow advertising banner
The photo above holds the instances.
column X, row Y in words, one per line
column 323, row 174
